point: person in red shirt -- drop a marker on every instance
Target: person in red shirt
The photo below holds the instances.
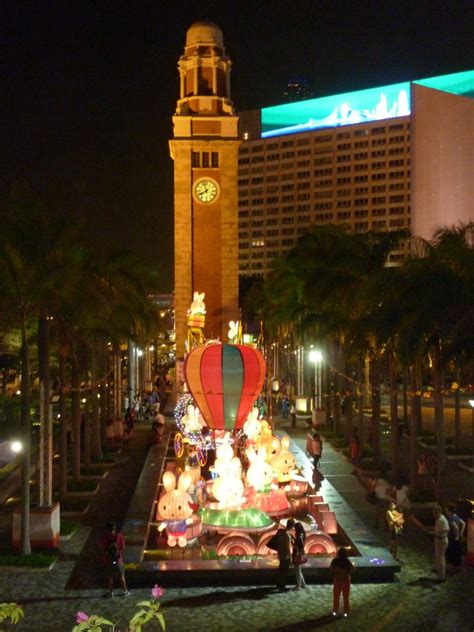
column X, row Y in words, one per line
column 113, row 544
column 356, row 450
column 341, row 569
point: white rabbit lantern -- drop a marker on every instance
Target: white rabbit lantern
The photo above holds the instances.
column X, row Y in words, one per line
column 260, row 473
column 283, row 462
column 234, row 331
column 175, row 506
column 252, row 426
column 228, row 487
column 192, row 419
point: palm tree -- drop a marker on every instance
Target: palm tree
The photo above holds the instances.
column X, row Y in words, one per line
column 312, row 287
column 440, row 274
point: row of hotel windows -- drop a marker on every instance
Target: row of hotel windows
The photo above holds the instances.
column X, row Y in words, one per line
column 247, row 249
column 325, row 138
column 302, row 163
column 358, row 155
column 317, row 172
column 302, row 219
column 322, row 194
column 289, row 208
column 290, row 186
column 328, row 182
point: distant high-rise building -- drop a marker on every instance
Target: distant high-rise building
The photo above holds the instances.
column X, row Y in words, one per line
column 297, row 89
column 377, row 159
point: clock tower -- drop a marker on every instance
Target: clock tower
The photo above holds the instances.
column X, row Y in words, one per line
column 205, row 153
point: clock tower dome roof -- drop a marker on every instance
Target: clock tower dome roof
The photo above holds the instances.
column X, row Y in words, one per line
column 204, row 32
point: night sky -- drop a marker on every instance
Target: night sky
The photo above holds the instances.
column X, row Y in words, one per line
column 87, row 89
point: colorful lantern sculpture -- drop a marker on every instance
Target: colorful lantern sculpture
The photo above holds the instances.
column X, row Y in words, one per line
column 224, row 381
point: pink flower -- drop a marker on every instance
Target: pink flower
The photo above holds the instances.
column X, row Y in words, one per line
column 157, row 591
column 81, row 617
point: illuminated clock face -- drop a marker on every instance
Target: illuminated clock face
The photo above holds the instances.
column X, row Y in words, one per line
column 206, row 191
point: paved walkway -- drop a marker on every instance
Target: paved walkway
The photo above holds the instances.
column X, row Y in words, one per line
column 412, row 603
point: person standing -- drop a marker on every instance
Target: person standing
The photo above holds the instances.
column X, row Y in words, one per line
column 380, row 492
column 356, row 450
column 113, row 544
column 299, row 555
column 293, row 414
column 341, row 569
column 395, row 521
column 284, row 554
column 441, row 530
column 314, row 447
column 456, row 530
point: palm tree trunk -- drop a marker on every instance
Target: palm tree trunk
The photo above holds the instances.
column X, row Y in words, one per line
column 118, row 380
column 87, row 433
column 26, row 428
column 104, row 413
column 63, row 427
column 405, row 395
column 96, row 443
column 360, row 396
column 327, row 396
column 457, row 410
column 419, row 411
column 414, row 424
column 349, row 397
column 76, row 418
column 375, row 380
column 437, row 373
column 46, row 441
column 337, row 387
column 392, row 369
column 86, row 415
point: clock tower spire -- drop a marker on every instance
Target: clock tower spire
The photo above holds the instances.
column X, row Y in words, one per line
column 205, row 153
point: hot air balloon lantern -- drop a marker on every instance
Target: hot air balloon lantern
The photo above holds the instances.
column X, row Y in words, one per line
column 224, row 380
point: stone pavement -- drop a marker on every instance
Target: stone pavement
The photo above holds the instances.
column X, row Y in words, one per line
column 413, row 602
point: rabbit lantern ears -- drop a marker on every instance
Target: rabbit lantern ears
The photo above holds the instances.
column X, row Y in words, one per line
column 184, row 482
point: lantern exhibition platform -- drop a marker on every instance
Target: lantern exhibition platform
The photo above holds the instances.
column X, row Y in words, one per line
column 148, row 559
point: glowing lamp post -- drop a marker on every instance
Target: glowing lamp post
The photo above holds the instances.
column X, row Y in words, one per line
column 316, row 357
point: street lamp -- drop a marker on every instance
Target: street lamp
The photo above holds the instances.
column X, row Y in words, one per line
column 16, row 446
column 316, row 357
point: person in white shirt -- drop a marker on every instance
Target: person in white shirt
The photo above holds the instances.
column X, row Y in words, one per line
column 380, row 488
column 441, row 530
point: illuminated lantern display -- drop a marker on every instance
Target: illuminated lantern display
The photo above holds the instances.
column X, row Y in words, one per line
column 224, row 381
column 236, row 544
column 283, row 463
column 250, row 520
column 265, row 438
column 273, row 502
column 320, row 544
column 175, row 508
column 260, row 474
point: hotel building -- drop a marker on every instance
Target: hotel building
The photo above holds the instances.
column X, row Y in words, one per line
column 377, row 159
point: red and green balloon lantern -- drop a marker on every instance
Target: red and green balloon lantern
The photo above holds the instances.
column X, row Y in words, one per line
column 225, row 380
